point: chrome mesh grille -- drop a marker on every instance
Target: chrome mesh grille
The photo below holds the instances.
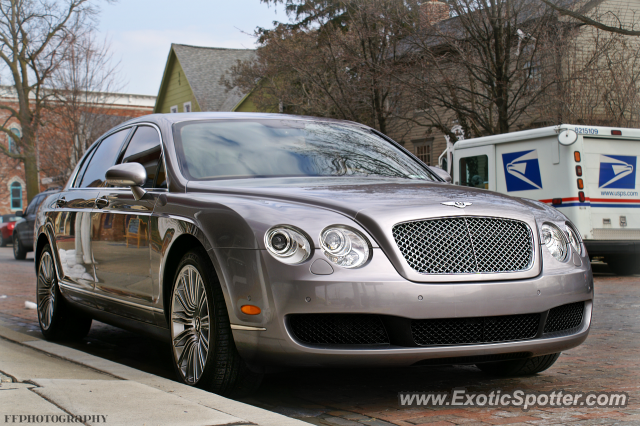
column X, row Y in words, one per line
column 465, row 245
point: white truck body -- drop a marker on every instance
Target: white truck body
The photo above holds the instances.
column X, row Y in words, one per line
column 534, row 164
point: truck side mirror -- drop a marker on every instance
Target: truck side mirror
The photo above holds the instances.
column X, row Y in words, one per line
column 441, row 173
column 132, row 175
column 19, row 213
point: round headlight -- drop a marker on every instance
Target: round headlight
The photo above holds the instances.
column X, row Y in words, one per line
column 345, row 247
column 553, row 238
column 574, row 239
column 287, row 244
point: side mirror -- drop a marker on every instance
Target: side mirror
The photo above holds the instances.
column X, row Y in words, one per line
column 441, row 173
column 19, row 213
column 132, row 175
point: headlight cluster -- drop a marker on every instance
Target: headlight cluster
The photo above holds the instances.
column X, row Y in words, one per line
column 287, row 244
column 574, row 239
column 342, row 245
column 553, row 238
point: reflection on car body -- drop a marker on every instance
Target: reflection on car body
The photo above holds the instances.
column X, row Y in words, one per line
column 253, row 241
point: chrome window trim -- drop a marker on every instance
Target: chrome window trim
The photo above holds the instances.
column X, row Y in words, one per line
column 123, row 149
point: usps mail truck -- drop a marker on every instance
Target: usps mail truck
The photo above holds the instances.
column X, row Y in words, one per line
column 589, row 173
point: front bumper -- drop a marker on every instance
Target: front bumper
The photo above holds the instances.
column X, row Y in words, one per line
column 379, row 289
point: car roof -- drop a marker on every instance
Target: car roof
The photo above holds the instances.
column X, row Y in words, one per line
column 192, row 116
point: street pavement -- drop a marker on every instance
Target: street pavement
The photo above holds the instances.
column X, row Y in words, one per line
column 609, row 360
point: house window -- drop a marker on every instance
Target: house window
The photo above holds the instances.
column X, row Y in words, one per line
column 424, row 150
column 187, row 107
column 11, row 145
column 16, row 196
column 173, row 109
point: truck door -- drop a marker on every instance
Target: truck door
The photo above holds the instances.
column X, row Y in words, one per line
column 475, row 167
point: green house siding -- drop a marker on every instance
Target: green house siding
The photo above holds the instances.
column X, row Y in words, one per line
column 248, row 105
column 175, row 90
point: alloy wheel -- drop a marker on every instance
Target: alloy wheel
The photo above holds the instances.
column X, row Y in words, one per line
column 46, row 290
column 190, row 324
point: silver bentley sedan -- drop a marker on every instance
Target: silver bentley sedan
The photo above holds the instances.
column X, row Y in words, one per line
column 254, row 242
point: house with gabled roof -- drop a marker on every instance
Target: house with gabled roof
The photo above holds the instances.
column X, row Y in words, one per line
column 193, row 79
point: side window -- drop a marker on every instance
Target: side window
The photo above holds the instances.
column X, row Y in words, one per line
column 33, row 205
column 145, row 149
column 105, row 157
column 161, row 179
column 83, row 167
column 474, row 171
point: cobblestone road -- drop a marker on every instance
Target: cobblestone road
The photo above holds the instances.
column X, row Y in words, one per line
column 608, row 361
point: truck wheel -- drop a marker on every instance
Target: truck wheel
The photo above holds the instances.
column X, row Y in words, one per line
column 58, row 321
column 203, row 348
column 624, row 265
column 519, row 367
column 19, row 253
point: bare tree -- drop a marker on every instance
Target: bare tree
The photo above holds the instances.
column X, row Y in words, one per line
column 601, row 80
column 333, row 63
column 484, row 69
column 34, row 39
column 78, row 112
column 609, row 21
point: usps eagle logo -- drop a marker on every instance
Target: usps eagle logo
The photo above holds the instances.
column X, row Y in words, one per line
column 617, row 171
column 522, row 170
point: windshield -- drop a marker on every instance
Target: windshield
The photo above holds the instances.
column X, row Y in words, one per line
column 224, row 149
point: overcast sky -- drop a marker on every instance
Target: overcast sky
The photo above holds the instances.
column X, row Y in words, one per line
column 141, row 32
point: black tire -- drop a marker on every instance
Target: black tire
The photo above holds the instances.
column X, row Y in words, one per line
column 224, row 373
column 519, row 367
column 3, row 242
column 64, row 323
column 19, row 253
column 624, row 265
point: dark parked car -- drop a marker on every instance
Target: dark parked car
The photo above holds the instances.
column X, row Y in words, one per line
column 23, row 230
column 253, row 241
column 7, row 223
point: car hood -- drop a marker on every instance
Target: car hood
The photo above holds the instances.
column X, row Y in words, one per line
column 357, row 197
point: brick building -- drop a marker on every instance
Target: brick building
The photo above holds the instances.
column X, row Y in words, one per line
column 54, row 144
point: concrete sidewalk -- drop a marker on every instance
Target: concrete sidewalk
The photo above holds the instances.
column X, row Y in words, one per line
column 40, row 379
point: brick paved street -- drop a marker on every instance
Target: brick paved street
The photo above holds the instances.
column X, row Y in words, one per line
column 608, row 361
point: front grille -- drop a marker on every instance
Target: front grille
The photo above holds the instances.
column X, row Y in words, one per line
column 338, row 329
column 564, row 317
column 465, row 245
column 460, row 331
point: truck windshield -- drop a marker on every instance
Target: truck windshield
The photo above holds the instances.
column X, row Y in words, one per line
column 228, row 149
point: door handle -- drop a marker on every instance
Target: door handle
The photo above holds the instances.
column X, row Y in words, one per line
column 61, row 202
column 102, row 202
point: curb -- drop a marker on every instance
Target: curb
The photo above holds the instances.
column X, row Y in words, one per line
column 241, row 410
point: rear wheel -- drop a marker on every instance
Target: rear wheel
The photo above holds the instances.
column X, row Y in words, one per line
column 58, row 321
column 3, row 241
column 624, row 264
column 519, row 367
column 19, row 253
column 203, row 348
